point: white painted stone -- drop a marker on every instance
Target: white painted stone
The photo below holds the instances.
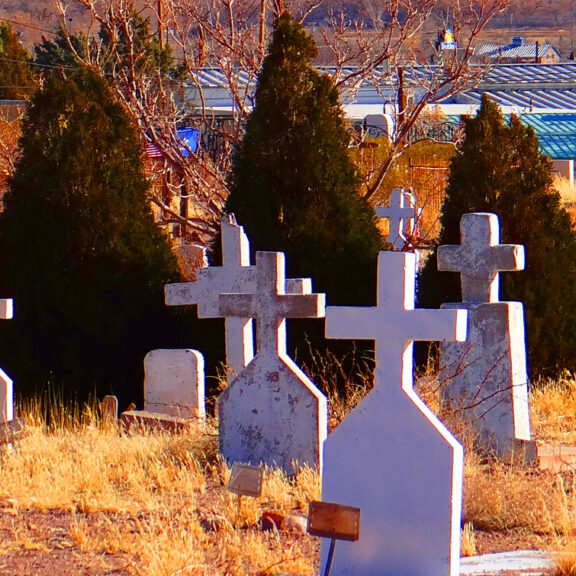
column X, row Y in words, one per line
column 485, row 379
column 402, row 215
column 271, row 412
column 392, row 457
column 6, row 384
column 236, row 275
column 174, row 383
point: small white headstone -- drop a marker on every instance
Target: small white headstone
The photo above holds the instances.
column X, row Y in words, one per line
column 392, row 457
column 402, row 214
column 174, row 383
column 485, row 379
column 271, row 412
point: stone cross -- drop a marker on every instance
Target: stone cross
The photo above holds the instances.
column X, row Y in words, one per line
column 485, row 380
column 271, row 412
column 270, row 305
column 480, row 257
column 235, row 275
column 397, row 213
column 392, row 457
column 6, row 384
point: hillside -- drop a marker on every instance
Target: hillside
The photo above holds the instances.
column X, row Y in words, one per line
column 544, row 20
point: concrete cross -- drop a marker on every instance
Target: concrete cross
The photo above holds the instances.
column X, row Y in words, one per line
column 480, row 257
column 269, row 304
column 394, row 323
column 235, row 275
column 397, row 213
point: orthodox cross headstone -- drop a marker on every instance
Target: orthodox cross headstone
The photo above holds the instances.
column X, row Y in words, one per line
column 236, row 275
column 174, row 383
column 6, row 384
column 485, row 379
column 401, row 213
column 271, row 412
column 392, row 457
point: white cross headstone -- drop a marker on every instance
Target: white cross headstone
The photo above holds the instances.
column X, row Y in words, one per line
column 485, row 379
column 392, row 457
column 236, row 275
column 401, row 213
column 174, row 383
column 271, row 412
column 6, row 384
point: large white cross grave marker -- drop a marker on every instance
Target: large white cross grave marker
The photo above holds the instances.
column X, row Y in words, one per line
column 392, row 457
column 485, row 379
column 271, row 412
column 402, row 215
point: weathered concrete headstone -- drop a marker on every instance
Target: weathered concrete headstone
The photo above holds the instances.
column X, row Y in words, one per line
column 174, row 383
column 485, row 379
column 392, row 457
column 6, row 384
column 191, row 257
column 402, row 214
column 236, row 275
column 271, row 412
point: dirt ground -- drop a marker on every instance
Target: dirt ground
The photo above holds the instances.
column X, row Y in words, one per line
column 47, row 543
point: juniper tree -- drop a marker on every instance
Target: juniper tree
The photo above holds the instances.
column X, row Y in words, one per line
column 499, row 168
column 293, row 185
column 81, row 253
column 16, row 79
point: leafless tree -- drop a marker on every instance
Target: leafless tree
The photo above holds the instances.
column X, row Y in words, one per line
column 220, row 45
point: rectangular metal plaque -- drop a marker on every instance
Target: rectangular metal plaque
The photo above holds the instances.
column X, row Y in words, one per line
column 330, row 520
column 245, row 480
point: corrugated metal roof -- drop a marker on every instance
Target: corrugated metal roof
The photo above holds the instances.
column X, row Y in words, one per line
column 556, row 132
column 513, row 51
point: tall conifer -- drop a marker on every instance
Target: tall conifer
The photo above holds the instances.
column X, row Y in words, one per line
column 499, row 168
column 81, row 254
column 293, row 184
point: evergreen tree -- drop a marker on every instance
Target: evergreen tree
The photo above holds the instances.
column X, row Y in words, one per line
column 293, row 185
column 499, row 168
column 59, row 55
column 15, row 76
column 81, row 254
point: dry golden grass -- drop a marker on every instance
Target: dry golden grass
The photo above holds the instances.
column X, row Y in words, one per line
column 159, row 501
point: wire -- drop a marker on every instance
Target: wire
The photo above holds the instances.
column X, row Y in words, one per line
column 27, row 25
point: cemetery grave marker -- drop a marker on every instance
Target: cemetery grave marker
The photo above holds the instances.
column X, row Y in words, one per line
column 271, row 412
column 174, row 383
column 485, row 379
column 392, row 457
column 6, row 384
column 236, row 275
column 402, row 214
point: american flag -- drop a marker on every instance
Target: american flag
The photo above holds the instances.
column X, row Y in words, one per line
column 152, row 151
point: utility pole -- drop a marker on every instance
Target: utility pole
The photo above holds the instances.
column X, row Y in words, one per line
column 161, row 24
column 262, row 25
